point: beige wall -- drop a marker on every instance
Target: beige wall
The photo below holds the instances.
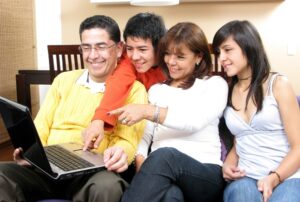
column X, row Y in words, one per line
column 17, row 48
column 276, row 21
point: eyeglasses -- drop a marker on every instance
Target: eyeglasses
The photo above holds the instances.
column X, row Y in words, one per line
column 99, row 48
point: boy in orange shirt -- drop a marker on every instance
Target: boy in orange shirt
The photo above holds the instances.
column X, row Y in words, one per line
column 142, row 34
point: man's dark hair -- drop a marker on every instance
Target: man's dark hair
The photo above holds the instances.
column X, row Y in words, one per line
column 102, row 22
column 145, row 26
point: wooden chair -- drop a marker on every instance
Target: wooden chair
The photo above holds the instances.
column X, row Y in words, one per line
column 26, row 78
column 61, row 58
column 64, row 58
column 217, row 69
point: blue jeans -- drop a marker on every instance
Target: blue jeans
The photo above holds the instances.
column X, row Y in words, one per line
column 245, row 190
column 169, row 175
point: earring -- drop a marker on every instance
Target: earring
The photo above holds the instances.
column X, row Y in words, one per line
column 197, row 64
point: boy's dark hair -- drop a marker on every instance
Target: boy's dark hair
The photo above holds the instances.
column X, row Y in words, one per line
column 145, row 26
column 103, row 22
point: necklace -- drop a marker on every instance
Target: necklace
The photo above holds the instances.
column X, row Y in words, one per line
column 244, row 78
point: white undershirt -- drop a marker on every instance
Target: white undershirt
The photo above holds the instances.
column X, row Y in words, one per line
column 87, row 81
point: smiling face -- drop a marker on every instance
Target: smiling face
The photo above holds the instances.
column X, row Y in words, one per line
column 141, row 53
column 100, row 53
column 181, row 62
column 233, row 59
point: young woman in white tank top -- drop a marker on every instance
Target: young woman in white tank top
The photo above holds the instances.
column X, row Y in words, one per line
column 263, row 115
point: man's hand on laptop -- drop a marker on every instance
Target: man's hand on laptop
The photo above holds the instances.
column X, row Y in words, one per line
column 18, row 157
column 93, row 135
column 115, row 159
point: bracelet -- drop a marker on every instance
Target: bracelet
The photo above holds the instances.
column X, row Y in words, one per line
column 276, row 173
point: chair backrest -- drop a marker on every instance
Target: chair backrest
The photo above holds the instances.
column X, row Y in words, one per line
column 64, row 58
column 217, row 69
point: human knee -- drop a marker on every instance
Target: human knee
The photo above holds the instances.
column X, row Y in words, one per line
column 108, row 185
column 106, row 192
column 9, row 191
column 244, row 189
column 159, row 159
column 243, row 184
column 286, row 191
column 163, row 153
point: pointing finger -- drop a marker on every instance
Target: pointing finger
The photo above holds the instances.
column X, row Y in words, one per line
column 116, row 111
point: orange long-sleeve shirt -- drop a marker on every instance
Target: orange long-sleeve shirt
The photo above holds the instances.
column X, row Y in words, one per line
column 118, row 86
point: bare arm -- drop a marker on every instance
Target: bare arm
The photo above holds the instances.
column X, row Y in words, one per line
column 290, row 114
column 230, row 167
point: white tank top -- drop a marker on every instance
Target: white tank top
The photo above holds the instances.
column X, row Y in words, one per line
column 262, row 143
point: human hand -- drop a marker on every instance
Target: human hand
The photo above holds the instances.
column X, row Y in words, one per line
column 232, row 172
column 139, row 160
column 93, row 135
column 115, row 159
column 17, row 155
column 266, row 186
column 130, row 114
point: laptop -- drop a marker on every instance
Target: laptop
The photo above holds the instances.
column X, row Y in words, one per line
column 56, row 161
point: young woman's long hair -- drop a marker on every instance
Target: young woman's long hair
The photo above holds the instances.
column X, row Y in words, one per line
column 190, row 35
column 247, row 37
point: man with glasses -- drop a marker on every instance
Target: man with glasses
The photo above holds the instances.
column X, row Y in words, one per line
column 68, row 109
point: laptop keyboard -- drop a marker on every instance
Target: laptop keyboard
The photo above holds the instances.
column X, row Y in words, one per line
column 64, row 159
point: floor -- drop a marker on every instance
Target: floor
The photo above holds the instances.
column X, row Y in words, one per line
column 6, row 150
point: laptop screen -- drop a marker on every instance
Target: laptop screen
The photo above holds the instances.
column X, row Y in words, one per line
column 22, row 132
